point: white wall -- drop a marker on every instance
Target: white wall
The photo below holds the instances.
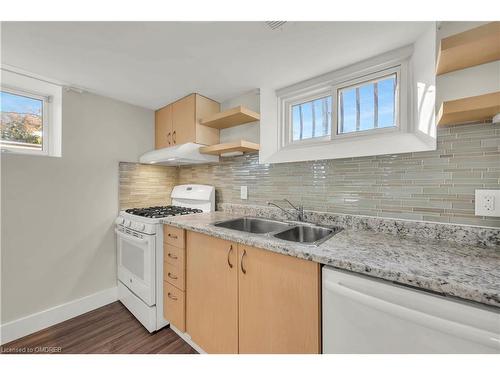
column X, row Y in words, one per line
column 58, row 240
column 249, row 131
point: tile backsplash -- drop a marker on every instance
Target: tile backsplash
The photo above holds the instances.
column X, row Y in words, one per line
column 145, row 185
column 433, row 186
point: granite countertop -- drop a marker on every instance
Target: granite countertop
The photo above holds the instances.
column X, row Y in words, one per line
column 452, row 269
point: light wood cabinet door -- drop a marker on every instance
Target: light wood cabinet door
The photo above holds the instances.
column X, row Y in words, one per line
column 174, row 236
column 163, row 127
column 279, row 303
column 174, row 255
column 206, row 107
column 173, row 306
column 174, row 275
column 184, row 120
column 212, row 293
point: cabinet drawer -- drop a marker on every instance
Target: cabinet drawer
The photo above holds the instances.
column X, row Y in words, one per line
column 173, row 236
column 174, row 306
column 174, row 275
column 173, row 255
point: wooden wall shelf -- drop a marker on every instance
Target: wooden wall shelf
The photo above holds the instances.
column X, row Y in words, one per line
column 223, row 148
column 232, row 117
column 470, row 48
column 474, row 108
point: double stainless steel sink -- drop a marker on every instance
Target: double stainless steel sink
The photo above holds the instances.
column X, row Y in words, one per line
column 305, row 233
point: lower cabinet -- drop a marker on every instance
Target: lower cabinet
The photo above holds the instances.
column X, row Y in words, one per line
column 173, row 306
column 279, row 303
column 212, row 293
column 174, row 267
column 241, row 299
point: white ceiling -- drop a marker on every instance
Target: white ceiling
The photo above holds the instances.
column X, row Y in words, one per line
column 153, row 63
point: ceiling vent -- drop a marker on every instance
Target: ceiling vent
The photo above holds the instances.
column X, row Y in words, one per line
column 274, row 25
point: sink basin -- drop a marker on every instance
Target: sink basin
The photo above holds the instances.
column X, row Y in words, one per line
column 307, row 234
column 253, row 225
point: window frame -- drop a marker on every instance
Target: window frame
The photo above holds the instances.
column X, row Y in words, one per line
column 361, row 81
column 301, row 99
column 46, row 100
column 329, row 86
column 20, row 82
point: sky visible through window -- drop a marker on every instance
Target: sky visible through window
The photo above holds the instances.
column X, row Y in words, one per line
column 364, row 107
column 312, row 119
column 369, row 106
column 21, row 120
column 20, row 104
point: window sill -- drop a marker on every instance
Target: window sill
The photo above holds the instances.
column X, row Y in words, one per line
column 388, row 143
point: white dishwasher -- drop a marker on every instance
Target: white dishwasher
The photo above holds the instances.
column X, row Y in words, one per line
column 366, row 315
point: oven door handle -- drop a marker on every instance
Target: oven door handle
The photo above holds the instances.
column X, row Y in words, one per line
column 131, row 238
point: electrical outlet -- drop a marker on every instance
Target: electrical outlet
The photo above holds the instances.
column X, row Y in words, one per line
column 244, row 192
column 487, row 203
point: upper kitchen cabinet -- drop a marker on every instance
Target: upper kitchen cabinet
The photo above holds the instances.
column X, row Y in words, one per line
column 163, row 127
column 179, row 122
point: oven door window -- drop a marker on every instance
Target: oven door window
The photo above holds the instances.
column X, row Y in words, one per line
column 136, row 264
column 133, row 259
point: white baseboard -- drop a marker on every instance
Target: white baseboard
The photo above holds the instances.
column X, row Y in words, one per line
column 188, row 340
column 32, row 323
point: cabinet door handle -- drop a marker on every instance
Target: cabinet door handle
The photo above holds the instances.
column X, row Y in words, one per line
column 170, row 295
column 172, row 276
column 172, row 256
column 228, row 254
column 172, row 236
column 174, row 138
column 169, row 137
column 241, row 263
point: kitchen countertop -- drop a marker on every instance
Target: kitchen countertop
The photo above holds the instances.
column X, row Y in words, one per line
column 452, row 269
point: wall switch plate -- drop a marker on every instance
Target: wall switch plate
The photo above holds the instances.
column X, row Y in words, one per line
column 487, row 202
column 244, row 192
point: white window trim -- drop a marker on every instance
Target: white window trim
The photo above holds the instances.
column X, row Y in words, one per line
column 288, row 130
column 420, row 132
column 330, row 84
column 45, row 122
column 399, row 106
column 51, row 95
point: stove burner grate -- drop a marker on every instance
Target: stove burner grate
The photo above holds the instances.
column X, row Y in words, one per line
column 162, row 211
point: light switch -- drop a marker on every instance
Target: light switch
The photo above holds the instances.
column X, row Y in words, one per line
column 244, row 192
column 487, row 202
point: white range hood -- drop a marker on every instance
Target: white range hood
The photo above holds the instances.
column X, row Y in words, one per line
column 185, row 154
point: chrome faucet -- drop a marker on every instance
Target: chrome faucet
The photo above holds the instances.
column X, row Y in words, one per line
column 299, row 210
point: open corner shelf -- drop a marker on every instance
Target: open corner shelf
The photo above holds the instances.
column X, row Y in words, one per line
column 237, row 146
column 474, row 108
column 232, row 117
column 469, row 48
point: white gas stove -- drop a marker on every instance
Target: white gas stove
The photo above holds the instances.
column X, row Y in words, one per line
column 140, row 251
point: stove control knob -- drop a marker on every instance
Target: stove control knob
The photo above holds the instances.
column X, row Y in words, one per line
column 119, row 220
column 140, row 226
column 127, row 223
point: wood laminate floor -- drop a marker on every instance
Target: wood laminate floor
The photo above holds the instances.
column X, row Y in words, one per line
column 109, row 329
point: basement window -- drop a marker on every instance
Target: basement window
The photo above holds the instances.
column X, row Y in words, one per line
column 30, row 110
column 312, row 119
column 24, row 121
column 361, row 104
column 368, row 105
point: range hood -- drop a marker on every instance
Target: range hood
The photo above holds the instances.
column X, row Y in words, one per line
column 185, row 154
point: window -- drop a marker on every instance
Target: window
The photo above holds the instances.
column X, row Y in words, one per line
column 31, row 115
column 312, row 119
column 22, row 121
column 368, row 105
column 356, row 105
column 381, row 105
